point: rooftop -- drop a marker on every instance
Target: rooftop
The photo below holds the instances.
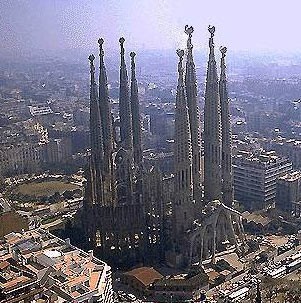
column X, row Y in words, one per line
column 291, row 177
column 146, row 275
column 233, row 260
column 40, row 110
column 74, row 272
column 262, row 158
column 14, row 275
column 256, row 218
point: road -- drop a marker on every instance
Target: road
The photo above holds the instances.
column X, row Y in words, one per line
column 4, row 204
column 236, row 280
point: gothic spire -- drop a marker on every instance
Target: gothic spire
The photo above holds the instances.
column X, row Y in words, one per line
column 136, row 124
column 212, row 70
column 124, row 103
column 95, row 122
column 183, row 207
column 96, row 161
column 223, row 77
column 227, row 177
column 212, row 128
column 92, row 69
column 105, row 110
column 180, row 88
column 194, row 116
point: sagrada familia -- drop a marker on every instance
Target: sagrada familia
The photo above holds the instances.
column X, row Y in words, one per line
column 131, row 213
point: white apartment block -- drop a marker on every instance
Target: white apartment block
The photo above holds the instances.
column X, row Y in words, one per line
column 63, row 271
column 255, row 177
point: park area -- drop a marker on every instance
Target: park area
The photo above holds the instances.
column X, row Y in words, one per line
column 45, row 188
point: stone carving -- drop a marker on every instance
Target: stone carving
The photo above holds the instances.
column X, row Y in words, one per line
column 91, row 58
column 92, row 67
column 100, row 41
column 211, row 30
column 180, row 53
column 121, row 41
column 101, row 51
column 189, row 30
column 132, row 54
column 223, row 50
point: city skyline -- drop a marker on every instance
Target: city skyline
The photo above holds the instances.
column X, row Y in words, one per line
column 53, row 25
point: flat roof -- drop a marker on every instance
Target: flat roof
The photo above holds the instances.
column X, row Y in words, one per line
column 52, row 253
column 239, row 292
column 69, row 266
column 277, row 271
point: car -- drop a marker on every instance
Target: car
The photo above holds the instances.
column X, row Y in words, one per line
column 120, row 292
column 122, row 298
column 131, row 297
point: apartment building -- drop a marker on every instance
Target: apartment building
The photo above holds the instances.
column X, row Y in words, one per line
column 55, row 270
column 255, row 177
column 288, row 197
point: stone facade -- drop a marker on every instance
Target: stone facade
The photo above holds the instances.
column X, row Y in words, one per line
column 208, row 225
column 122, row 217
column 183, row 208
column 132, row 214
column 212, row 130
column 194, row 117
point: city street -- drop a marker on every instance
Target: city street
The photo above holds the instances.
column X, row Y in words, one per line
column 250, row 281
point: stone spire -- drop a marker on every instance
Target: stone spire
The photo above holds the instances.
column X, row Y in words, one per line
column 124, row 104
column 96, row 161
column 194, row 117
column 136, row 124
column 227, row 176
column 212, row 129
column 183, row 207
column 105, row 110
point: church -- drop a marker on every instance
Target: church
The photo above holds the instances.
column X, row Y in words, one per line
column 128, row 216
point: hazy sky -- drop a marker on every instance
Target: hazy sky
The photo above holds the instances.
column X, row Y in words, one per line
column 59, row 24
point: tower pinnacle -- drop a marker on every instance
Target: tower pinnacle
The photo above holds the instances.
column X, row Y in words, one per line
column 96, row 158
column 183, row 207
column 124, row 103
column 194, row 117
column 105, row 110
column 212, row 128
column 227, row 176
column 100, row 42
column 223, row 50
column 136, row 125
column 121, row 41
column 211, row 30
column 180, row 53
column 132, row 55
column 188, row 31
column 92, row 68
